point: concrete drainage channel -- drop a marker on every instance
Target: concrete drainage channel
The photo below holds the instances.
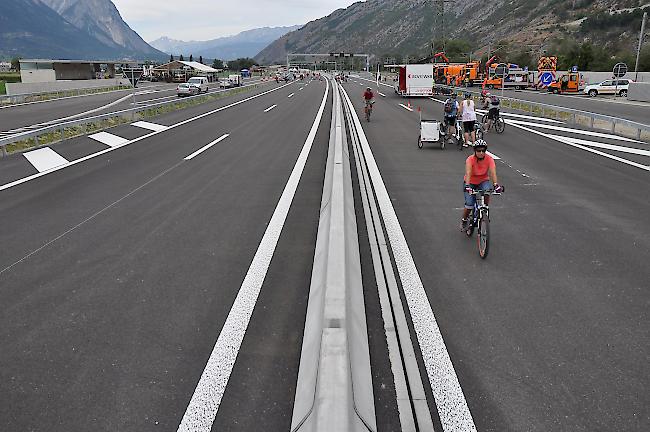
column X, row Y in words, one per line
column 334, row 390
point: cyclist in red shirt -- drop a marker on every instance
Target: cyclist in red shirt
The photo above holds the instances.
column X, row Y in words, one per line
column 480, row 174
column 368, row 95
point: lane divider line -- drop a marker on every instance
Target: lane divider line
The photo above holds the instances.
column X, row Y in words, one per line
column 291, row 95
column 406, row 108
column 381, row 94
column 44, row 159
column 202, row 409
column 204, row 148
column 569, row 142
column 270, row 108
column 94, row 155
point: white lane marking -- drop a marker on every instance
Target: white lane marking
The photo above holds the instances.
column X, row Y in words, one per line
column 570, row 130
column 614, row 147
column 45, row 159
column 495, row 157
column 505, row 114
column 85, row 158
column 203, row 407
column 204, row 148
column 452, row 407
column 291, row 95
column 150, row 126
column 567, row 141
column 406, row 108
column 270, row 108
column 381, row 94
column 109, row 139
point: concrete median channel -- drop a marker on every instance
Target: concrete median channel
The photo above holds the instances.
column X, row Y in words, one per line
column 334, row 391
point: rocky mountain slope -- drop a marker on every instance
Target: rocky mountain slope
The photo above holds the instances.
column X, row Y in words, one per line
column 102, row 20
column 29, row 28
column 244, row 44
column 408, row 27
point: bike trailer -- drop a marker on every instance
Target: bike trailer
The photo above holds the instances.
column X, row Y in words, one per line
column 430, row 132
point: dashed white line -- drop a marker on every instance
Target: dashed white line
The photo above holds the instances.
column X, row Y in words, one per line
column 406, row 108
column 270, row 108
column 204, row 148
column 203, row 407
column 381, row 94
column 291, row 95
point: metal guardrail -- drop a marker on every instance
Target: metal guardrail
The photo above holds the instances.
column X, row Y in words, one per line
column 72, row 128
column 44, row 96
column 614, row 125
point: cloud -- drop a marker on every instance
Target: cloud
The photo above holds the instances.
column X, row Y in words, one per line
column 209, row 19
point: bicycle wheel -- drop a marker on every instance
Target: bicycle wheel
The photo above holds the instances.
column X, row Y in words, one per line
column 479, row 133
column 483, row 237
column 470, row 227
column 500, row 125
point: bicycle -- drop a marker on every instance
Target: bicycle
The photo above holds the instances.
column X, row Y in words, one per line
column 479, row 217
column 498, row 123
column 368, row 109
column 460, row 133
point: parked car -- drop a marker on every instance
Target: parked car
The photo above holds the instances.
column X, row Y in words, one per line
column 612, row 86
column 186, row 89
column 199, row 82
column 225, row 83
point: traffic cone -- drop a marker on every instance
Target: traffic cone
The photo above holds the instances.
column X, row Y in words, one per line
column 409, row 104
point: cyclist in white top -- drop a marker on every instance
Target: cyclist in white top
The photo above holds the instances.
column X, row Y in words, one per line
column 468, row 115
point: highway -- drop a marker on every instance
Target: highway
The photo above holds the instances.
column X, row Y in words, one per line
column 126, row 255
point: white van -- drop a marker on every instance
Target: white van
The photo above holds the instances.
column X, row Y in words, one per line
column 235, row 80
column 199, row 82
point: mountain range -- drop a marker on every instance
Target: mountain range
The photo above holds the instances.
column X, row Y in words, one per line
column 245, row 44
column 409, row 27
column 72, row 29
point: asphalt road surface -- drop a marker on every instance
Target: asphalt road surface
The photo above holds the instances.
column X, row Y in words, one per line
column 118, row 270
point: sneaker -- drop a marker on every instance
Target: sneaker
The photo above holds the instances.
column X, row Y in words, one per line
column 463, row 224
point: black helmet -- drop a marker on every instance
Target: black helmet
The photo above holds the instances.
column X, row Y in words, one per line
column 368, row 88
column 468, row 95
column 480, row 143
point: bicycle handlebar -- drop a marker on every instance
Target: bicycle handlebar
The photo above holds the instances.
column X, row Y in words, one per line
column 483, row 192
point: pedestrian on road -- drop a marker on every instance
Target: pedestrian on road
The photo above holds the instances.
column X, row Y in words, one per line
column 468, row 115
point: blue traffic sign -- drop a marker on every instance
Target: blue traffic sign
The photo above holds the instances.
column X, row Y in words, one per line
column 546, row 78
column 574, row 69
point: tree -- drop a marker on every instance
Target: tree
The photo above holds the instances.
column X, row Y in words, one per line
column 201, row 59
column 241, row 63
column 171, row 57
column 181, row 58
column 191, row 57
column 217, row 64
column 15, row 64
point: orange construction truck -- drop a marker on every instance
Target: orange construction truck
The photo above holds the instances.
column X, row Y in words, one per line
column 570, row 82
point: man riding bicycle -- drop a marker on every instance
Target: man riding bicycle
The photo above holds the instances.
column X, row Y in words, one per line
column 368, row 98
column 490, row 103
column 480, row 174
column 451, row 113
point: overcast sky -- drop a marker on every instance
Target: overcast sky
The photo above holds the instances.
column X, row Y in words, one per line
column 210, row 19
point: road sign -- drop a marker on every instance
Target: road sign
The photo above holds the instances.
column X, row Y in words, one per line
column 546, row 78
column 620, row 69
column 574, row 69
column 501, row 70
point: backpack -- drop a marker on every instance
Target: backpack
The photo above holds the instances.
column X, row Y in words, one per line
column 449, row 106
column 495, row 100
